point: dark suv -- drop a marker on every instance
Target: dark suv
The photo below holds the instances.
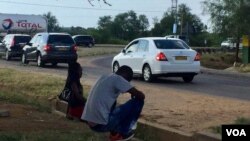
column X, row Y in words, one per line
column 85, row 40
column 50, row 48
column 13, row 45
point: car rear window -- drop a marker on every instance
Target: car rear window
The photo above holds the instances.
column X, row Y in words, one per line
column 22, row 39
column 85, row 38
column 170, row 44
column 60, row 39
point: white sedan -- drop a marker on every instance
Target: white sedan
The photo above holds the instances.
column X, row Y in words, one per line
column 158, row 56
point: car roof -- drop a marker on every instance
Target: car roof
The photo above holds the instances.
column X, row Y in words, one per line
column 82, row 35
column 53, row 33
column 157, row 38
column 17, row 35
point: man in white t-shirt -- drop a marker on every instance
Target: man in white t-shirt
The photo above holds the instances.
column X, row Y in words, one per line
column 100, row 111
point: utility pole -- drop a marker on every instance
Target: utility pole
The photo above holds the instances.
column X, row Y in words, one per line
column 175, row 12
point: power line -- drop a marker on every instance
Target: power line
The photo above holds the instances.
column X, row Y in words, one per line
column 73, row 7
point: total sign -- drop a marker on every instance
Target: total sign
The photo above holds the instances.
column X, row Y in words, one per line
column 7, row 24
column 22, row 23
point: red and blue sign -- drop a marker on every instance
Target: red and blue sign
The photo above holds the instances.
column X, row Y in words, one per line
column 7, row 24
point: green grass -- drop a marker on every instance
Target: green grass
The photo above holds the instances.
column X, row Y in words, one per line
column 51, row 136
column 95, row 51
column 34, row 89
column 29, row 88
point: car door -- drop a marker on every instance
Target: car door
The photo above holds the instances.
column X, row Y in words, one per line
column 140, row 55
column 7, row 41
column 127, row 57
column 31, row 50
column 78, row 41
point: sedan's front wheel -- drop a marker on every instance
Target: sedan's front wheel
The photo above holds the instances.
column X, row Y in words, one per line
column 147, row 73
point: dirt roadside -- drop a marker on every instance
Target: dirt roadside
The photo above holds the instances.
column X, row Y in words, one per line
column 183, row 110
column 186, row 110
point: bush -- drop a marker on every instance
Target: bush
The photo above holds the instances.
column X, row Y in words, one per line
column 218, row 60
column 118, row 41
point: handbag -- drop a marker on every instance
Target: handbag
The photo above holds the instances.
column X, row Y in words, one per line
column 65, row 94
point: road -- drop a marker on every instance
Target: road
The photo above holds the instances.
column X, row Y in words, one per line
column 203, row 83
column 209, row 84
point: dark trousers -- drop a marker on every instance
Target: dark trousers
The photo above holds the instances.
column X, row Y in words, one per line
column 122, row 118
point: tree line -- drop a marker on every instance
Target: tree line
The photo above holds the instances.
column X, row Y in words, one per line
column 127, row 26
column 229, row 18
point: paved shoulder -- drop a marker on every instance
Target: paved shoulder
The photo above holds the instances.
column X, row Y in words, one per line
column 224, row 73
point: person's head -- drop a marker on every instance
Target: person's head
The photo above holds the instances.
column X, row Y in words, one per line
column 74, row 70
column 126, row 72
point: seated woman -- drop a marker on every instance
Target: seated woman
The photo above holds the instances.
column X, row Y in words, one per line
column 76, row 101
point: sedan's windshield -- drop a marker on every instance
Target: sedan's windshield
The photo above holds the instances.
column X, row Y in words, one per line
column 170, row 44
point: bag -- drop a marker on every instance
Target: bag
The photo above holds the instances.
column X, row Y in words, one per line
column 65, row 94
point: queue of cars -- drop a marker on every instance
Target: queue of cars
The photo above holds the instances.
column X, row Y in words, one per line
column 148, row 57
column 44, row 47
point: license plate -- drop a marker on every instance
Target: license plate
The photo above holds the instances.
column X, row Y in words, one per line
column 62, row 48
column 180, row 57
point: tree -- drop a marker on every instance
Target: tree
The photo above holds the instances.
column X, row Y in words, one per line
column 189, row 25
column 104, row 22
column 104, row 28
column 164, row 27
column 53, row 25
column 125, row 26
column 230, row 18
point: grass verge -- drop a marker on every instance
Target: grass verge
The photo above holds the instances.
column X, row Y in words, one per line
column 50, row 136
column 29, row 88
column 95, row 51
column 26, row 96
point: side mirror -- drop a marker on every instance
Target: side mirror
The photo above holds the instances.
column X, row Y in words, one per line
column 123, row 51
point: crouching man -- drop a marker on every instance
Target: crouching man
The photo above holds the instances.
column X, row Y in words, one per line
column 101, row 112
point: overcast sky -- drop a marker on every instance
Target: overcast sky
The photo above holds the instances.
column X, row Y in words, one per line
column 81, row 13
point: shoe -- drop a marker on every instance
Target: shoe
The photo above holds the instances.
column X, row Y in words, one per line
column 134, row 126
column 119, row 137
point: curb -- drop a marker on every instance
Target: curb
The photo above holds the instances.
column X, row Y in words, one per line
column 60, row 108
column 147, row 131
column 224, row 73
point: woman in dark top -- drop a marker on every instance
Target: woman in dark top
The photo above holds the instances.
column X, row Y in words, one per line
column 76, row 101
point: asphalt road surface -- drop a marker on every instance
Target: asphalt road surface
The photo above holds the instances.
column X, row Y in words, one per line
column 209, row 84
